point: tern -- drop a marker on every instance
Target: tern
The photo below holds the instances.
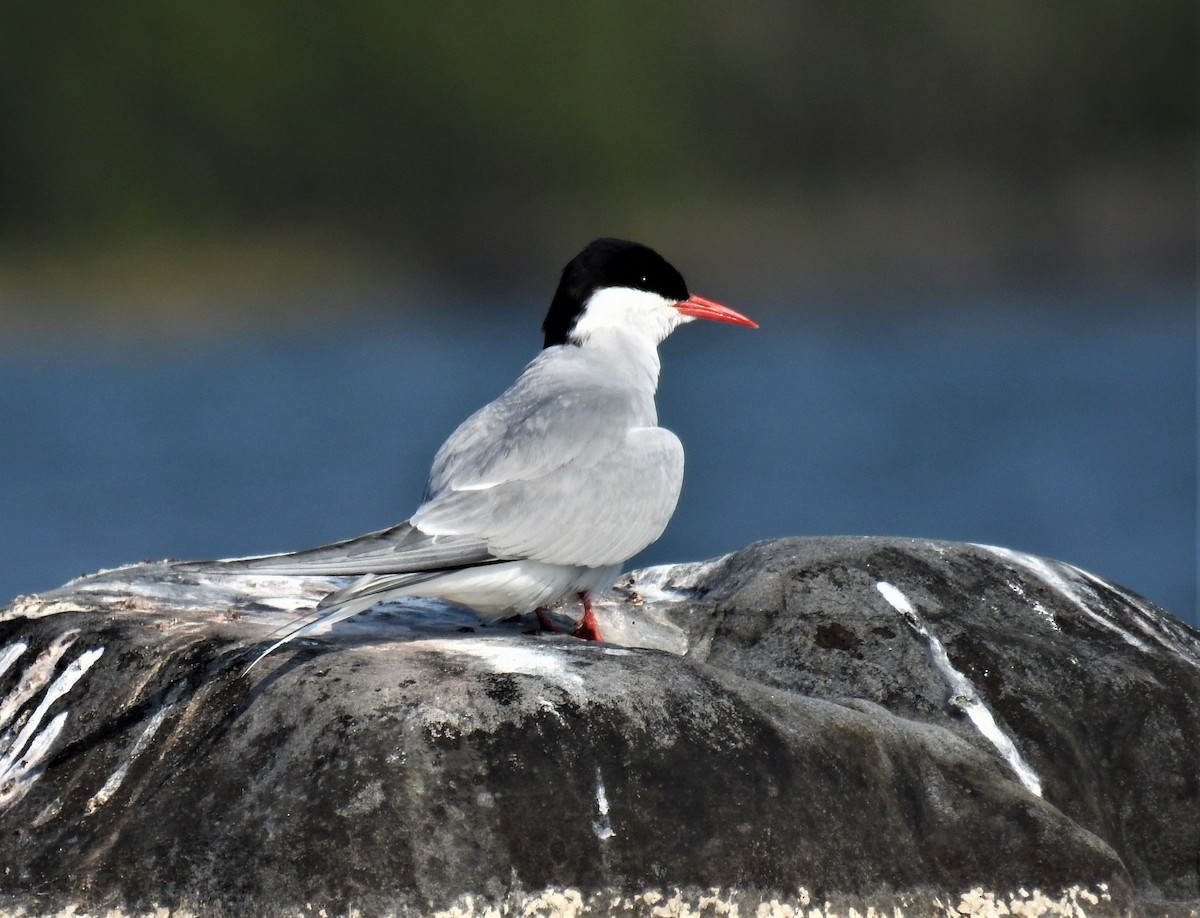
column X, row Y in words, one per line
column 548, row 490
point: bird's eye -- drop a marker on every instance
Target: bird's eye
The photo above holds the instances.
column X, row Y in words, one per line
column 645, row 279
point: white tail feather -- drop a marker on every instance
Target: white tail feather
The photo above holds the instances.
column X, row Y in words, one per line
column 338, row 613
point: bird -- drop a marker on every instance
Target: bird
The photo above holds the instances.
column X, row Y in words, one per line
column 547, row 491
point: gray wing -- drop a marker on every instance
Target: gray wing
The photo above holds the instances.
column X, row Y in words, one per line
column 563, row 467
column 561, row 409
column 600, row 507
column 401, row 549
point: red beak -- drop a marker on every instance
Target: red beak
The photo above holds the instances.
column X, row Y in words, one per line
column 701, row 308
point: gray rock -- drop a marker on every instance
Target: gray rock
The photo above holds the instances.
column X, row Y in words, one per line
column 806, row 724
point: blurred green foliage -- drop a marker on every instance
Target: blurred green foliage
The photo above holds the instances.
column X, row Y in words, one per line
column 460, row 135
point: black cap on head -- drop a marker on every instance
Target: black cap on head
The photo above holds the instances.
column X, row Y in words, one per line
column 608, row 263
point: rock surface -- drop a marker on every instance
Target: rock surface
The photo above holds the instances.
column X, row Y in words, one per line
column 806, row 726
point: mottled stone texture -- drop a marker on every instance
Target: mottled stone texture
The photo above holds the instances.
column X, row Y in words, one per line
column 790, row 728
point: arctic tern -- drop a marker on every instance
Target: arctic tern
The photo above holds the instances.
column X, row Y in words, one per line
column 551, row 488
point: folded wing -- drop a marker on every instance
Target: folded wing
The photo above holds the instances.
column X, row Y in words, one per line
column 597, row 509
column 399, row 550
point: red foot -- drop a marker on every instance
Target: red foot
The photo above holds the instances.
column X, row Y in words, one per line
column 586, row 628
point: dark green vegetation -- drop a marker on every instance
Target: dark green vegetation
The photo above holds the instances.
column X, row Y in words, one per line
column 928, row 139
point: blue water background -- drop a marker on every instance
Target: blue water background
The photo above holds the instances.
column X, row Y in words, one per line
column 1058, row 424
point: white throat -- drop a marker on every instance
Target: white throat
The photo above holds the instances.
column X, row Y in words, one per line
column 622, row 327
column 628, row 312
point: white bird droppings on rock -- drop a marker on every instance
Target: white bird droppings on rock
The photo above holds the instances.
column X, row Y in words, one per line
column 115, row 780
column 964, row 695
column 1058, row 582
column 508, row 656
column 11, row 654
column 601, row 825
column 21, row 759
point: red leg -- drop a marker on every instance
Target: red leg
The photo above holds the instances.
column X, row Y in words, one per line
column 587, row 628
column 546, row 622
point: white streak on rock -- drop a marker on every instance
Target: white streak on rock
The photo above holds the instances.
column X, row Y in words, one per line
column 21, row 762
column 545, row 704
column 115, row 780
column 36, row 675
column 41, row 743
column 10, row 655
column 668, row 582
column 16, row 780
column 504, row 656
column 650, row 585
column 964, row 696
column 59, row 687
column 1047, row 615
column 896, row 599
column 601, row 824
column 1043, row 570
column 1162, row 630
